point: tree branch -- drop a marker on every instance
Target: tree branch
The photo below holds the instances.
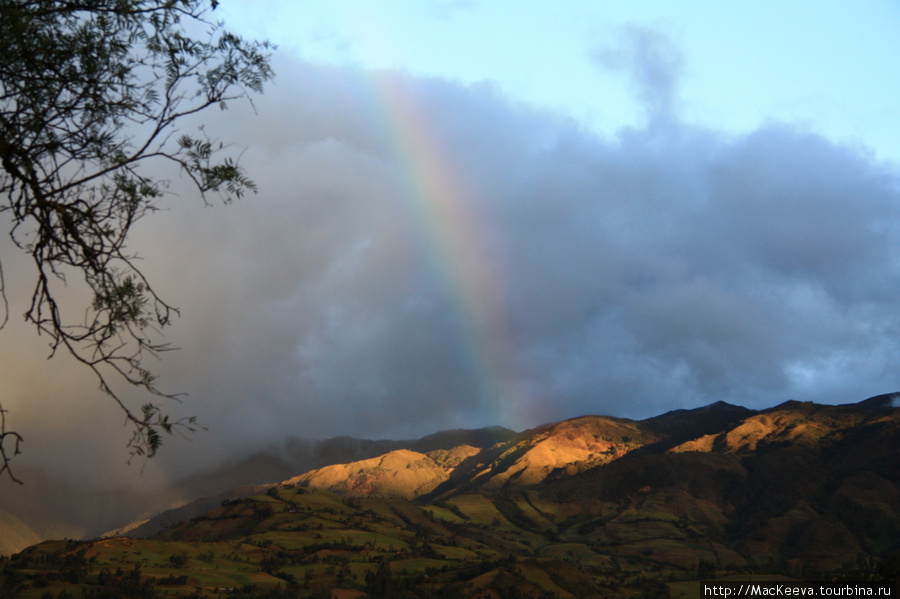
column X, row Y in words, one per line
column 73, row 76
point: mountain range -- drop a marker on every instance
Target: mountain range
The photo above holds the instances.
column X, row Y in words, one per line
column 568, row 508
column 800, row 483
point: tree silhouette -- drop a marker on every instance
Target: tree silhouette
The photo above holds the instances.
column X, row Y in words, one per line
column 90, row 92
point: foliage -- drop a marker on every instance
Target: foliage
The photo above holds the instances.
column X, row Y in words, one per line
column 90, row 92
column 178, row 560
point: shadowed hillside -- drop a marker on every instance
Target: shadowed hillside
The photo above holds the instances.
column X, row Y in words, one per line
column 798, row 485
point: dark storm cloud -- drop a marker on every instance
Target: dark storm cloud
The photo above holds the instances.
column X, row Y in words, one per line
column 670, row 266
column 698, row 267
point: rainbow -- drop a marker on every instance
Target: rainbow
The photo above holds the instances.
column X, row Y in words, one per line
column 446, row 208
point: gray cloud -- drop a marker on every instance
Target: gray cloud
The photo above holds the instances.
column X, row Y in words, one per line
column 667, row 267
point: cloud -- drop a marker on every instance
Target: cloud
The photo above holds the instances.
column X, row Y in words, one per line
column 670, row 266
column 654, row 65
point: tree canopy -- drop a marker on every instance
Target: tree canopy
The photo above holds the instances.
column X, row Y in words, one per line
column 90, row 93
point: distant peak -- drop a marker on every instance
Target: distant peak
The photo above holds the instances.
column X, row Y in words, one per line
column 886, row 400
column 723, row 405
column 717, row 406
column 792, row 404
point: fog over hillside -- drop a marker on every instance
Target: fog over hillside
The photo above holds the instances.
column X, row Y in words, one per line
column 424, row 255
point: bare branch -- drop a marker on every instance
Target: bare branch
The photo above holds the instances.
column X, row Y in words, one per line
column 78, row 82
column 15, row 440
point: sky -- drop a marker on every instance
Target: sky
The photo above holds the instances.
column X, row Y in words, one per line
column 510, row 213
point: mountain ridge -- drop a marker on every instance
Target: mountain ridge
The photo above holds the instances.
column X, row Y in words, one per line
column 590, row 506
column 548, row 452
column 510, row 460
